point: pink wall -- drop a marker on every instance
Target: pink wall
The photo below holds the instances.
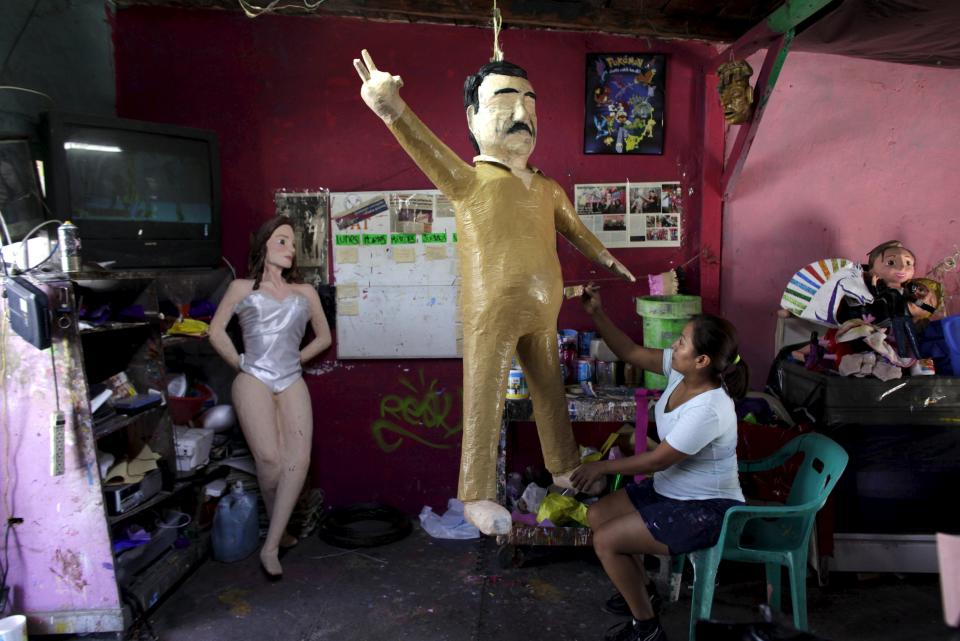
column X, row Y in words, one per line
column 284, row 98
column 850, row 153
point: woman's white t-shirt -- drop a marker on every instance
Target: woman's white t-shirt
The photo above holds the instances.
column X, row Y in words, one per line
column 705, row 427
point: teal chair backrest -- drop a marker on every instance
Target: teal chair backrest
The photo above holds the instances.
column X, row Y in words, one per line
column 822, row 462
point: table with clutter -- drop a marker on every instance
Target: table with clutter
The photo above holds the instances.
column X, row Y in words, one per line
column 586, row 404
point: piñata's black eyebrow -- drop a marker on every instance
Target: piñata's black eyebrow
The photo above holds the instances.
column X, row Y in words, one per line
column 512, row 90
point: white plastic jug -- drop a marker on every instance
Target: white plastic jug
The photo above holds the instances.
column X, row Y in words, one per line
column 13, row 628
column 236, row 529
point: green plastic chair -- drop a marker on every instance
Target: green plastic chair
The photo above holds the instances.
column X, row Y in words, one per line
column 775, row 535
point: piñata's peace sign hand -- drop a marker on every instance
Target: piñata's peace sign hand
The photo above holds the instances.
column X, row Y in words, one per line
column 380, row 90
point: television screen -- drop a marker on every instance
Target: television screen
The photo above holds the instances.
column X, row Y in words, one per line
column 141, row 194
column 20, row 201
column 120, row 175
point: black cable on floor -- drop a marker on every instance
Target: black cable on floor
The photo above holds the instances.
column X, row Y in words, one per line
column 364, row 525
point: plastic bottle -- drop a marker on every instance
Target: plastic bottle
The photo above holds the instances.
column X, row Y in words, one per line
column 236, row 529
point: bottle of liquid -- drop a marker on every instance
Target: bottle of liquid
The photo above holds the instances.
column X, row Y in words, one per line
column 69, row 238
column 517, row 384
column 236, row 530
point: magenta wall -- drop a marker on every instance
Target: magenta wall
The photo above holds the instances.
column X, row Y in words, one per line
column 850, row 153
column 284, row 98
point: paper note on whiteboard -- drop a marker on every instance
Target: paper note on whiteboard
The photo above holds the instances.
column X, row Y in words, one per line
column 349, row 307
column 435, row 252
column 347, row 290
column 405, row 254
column 346, row 255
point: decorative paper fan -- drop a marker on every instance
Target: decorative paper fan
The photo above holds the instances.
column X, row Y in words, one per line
column 805, row 283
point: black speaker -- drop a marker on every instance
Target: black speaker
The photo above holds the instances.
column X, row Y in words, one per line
column 29, row 311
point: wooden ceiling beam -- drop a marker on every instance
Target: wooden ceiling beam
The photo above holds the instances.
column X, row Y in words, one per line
column 592, row 15
column 786, row 18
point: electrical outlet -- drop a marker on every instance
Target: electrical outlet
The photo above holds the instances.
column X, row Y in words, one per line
column 58, row 423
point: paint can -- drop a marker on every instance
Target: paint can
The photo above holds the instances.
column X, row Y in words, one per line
column 568, row 337
column 567, row 345
column 69, row 238
column 584, row 339
column 517, row 385
column 585, row 366
column 606, row 373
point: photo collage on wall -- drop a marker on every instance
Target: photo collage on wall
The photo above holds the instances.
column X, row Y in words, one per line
column 647, row 214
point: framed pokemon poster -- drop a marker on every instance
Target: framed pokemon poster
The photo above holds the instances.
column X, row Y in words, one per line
column 625, row 103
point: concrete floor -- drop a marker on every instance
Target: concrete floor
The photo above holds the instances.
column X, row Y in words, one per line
column 421, row 589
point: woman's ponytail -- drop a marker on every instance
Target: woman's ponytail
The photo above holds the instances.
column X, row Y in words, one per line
column 717, row 338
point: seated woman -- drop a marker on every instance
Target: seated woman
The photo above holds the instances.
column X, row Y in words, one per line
column 694, row 469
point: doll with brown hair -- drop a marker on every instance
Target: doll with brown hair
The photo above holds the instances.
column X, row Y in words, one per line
column 890, row 263
column 269, row 393
column 889, row 266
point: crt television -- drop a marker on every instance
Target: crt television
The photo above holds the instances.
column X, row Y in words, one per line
column 142, row 194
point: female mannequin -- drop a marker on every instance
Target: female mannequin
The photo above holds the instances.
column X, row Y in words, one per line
column 269, row 393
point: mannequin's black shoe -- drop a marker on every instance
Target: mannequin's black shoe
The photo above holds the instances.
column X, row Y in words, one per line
column 272, row 578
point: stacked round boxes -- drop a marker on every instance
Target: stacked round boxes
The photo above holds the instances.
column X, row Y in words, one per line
column 663, row 320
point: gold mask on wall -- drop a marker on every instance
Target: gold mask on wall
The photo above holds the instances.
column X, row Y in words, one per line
column 736, row 94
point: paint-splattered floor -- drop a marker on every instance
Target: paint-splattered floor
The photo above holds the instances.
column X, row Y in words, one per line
column 422, row 589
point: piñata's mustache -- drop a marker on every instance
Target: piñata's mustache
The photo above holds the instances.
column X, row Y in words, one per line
column 520, row 126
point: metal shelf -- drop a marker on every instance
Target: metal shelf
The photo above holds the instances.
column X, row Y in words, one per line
column 161, row 496
column 172, row 340
column 121, row 421
column 112, row 327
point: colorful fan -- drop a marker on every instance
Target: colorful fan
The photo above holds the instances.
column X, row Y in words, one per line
column 807, row 282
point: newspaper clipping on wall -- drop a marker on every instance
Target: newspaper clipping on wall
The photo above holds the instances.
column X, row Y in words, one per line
column 629, row 214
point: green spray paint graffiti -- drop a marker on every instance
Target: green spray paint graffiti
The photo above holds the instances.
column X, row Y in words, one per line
column 426, row 409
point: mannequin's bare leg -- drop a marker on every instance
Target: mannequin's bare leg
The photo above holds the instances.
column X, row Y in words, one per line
column 296, row 434
column 258, row 416
column 287, row 541
column 486, row 363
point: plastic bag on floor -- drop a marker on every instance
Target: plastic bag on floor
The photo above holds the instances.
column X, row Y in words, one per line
column 531, row 498
column 452, row 525
column 562, row 510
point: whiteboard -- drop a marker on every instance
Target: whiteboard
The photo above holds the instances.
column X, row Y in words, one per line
column 396, row 272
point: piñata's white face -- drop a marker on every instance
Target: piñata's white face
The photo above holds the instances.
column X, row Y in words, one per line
column 505, row 125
